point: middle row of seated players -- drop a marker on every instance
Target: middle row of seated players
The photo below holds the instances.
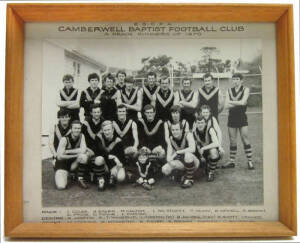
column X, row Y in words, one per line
column 137, row 150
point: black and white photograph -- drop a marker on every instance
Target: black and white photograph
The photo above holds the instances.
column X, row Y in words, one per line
column 150, row 121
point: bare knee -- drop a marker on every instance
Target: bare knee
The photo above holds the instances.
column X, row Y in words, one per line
column 166, row 169
column 245, row 139
column 188, row 158
column 82, row 158
column 232, row 138
column 61, row 179
column 214, row 154
column 99, row 161
column 159, row 151
column 121, row 175
column 233, row 142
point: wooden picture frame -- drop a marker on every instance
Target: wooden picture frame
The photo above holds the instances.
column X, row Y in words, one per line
column 18, row 14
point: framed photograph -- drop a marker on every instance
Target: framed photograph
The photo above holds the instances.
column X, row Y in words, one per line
column 150, row 120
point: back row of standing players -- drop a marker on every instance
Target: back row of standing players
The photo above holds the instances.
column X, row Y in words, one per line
column 137, row 134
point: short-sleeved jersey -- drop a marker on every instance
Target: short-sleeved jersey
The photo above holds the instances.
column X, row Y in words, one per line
column 87, row 98
column 210, row 98
column 164, row 101
column 90, row 129
column 108, row 103
column 124, row 131
column 59, row 132
column 70, row 95
column 149, row 93
column 130, row 99
column 151, row 134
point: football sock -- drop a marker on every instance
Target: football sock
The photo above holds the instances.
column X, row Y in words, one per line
column 99, row 171
column 81, row 170
column 233, row 151
column 248, row 151
column 189, row 171
column 213, row 164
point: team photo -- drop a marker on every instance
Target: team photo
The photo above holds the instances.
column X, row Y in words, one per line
column 152, row 123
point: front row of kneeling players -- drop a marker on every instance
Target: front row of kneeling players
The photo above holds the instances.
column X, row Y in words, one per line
column 108, row 152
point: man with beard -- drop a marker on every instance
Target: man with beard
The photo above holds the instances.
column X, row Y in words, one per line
column 164, row 99
column 131, row 98
column 180, row 155
column 187, row 99
column 91, row 95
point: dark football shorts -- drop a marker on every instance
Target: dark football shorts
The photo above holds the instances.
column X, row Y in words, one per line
column 237, row 121
column 64, row 164
column 179, row 157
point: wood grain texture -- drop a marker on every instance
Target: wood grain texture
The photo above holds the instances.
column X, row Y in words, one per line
column 151, row 230
column 14, row 121
column 286, row 121
column 17, row 14
column 149, row 12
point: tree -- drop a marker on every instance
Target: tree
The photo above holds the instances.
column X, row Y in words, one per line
column 193, row 68
column 181, row 68
column 207, row 52
column 157, row 64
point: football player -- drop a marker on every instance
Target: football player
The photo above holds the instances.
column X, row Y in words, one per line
column 126, row 129
column 131, row 98
column 71, row 156
column 210, row 95
column 164, row 99
column 110, row 98
column 207, row 145
column 121, row 75
column 180, row 155
column 151, row 135
column 68, row 97
column 150, row 89
column 236, row 101
column 175, row 111
column 187, row 99
column 61, row 129
column 114, row 153
column 91, row 95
